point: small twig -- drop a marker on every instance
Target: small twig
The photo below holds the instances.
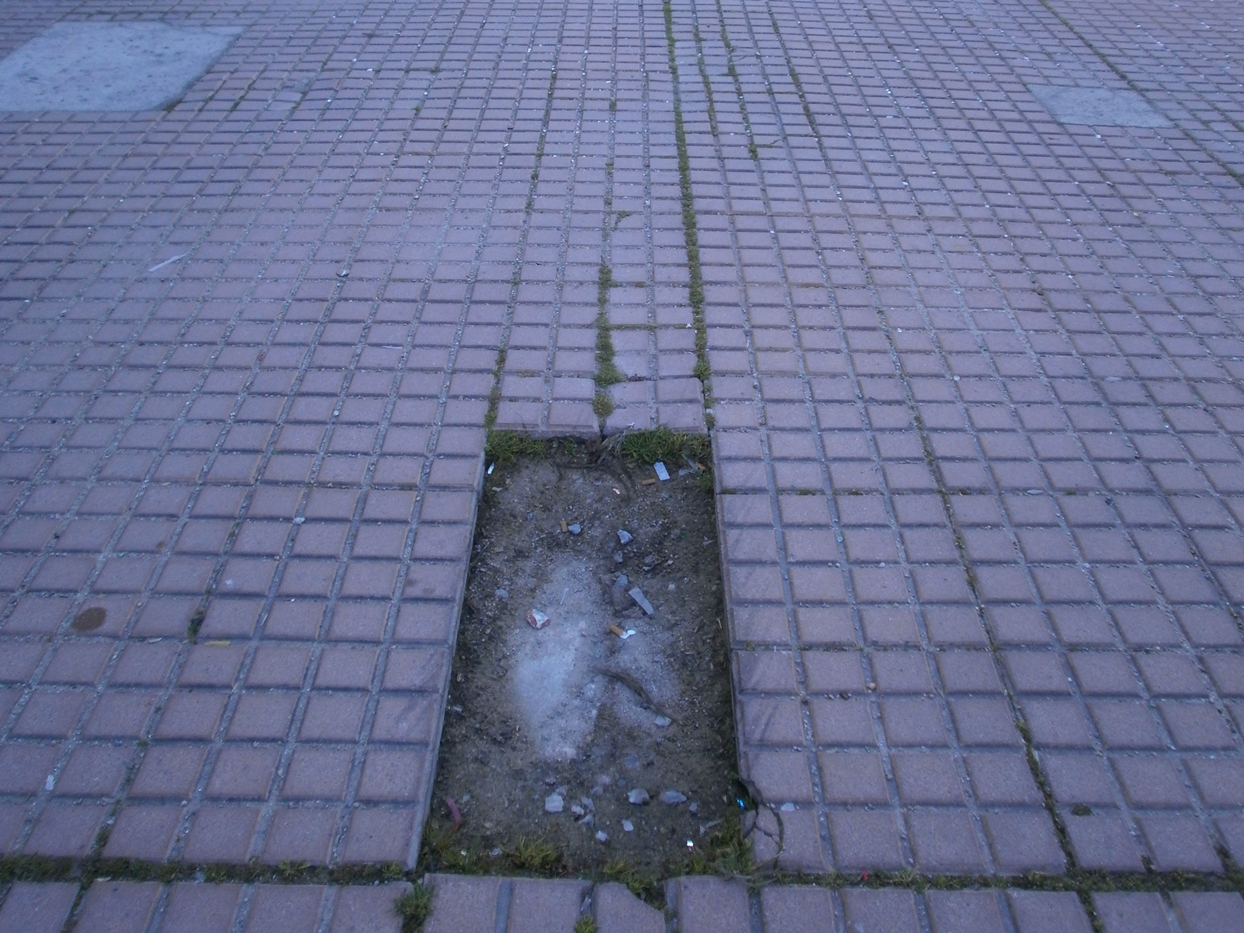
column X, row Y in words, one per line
column 631, row 681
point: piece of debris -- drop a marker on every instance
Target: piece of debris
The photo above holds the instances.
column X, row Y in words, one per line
column 537, row 619
column 662, row 473
column 602, row 837
column 564, row 526
column 650, row 481
column 663, row 722
column 454, row 813
column 171, row 259
column 575, row 529
column 501, row 594
column 617, row 630
column 673, row 797
column 788, row 808
column 637, row 796
column 624, row 536
column 627, row 634
column 577, row 810
column 638, row 595
column 553, row 803
column 693, row 807
column 628, row 826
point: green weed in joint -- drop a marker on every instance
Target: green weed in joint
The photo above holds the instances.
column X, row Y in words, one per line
column 414, row 907
column 663, row 444
column 505, row 447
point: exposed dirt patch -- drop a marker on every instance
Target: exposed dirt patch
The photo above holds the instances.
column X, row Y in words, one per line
column 551, row 732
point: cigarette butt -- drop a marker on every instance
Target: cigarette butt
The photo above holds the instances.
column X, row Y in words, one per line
column 652, row 481
column 617, row 631
column 564, row 525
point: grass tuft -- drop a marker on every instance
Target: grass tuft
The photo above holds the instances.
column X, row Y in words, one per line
column 535, row 855
column 414, row 907
column 648, row 447
column 505, row 447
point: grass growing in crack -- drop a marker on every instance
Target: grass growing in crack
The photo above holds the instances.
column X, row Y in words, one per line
column 607, row 373
column 494, row 394
column 602, row 404
column 648, row 447
column 725, row 852
column 691, row 236
column 505, row 447
column 645, row 887
column 585, row 924
column 196, row 623
column 414, row 907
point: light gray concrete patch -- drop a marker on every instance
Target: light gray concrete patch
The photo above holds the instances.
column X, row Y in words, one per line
column 1093, row 106
column 108, row 66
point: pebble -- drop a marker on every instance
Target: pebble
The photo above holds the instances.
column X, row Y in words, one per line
column 553, row 803
column 663, row 722
column 788, row 808
column 625, row 536
column 628, row 826
column 694, row 807
column 673, row 797
column 575, row 529
column 621, row 599
column 502, row 593
column 602, row 836
column 637, row 796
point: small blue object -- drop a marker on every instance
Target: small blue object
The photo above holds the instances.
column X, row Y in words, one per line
column 739, row 801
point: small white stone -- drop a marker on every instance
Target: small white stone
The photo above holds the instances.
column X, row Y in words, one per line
column 553, row 803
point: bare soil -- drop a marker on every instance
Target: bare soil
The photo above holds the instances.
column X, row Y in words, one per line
column 604, row 703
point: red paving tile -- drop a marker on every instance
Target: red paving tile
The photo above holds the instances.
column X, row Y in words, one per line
column 974, row 398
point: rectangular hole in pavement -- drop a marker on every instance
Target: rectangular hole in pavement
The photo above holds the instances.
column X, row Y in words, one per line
column 589, row 711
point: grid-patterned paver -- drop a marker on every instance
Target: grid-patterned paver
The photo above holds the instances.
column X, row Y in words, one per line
column 971, row 369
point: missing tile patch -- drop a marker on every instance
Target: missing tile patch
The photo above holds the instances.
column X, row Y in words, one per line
column 1092, row 106
column 108, row 66
column 590, row 702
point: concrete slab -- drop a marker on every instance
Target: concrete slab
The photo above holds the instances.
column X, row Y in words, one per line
column 109, row 66
column 1097, row 106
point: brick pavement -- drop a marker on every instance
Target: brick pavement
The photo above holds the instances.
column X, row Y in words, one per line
column 974, row 393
